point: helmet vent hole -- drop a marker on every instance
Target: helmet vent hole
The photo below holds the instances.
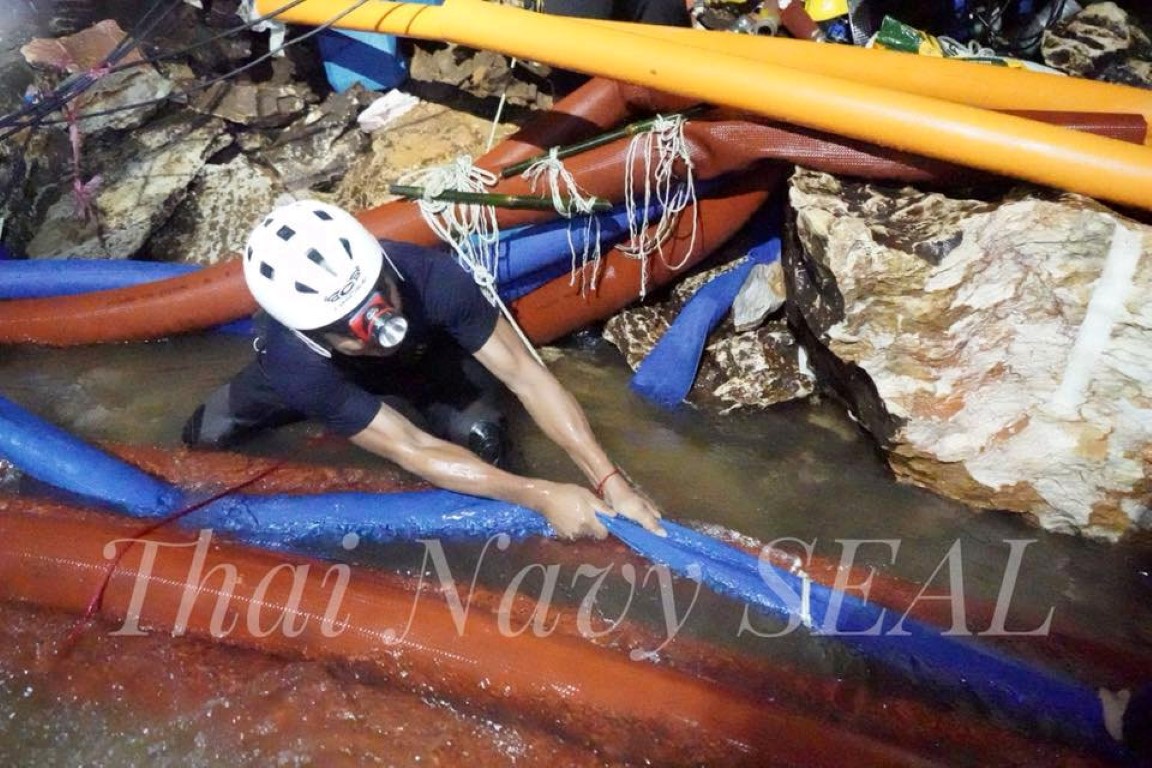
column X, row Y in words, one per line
column 285, row 233
column 302, row 288
column 248, row 253
column 347, row 246
column 266, row 270
column 322, row 215
column 317, row 258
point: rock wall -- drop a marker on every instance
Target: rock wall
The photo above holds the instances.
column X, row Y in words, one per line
column 1006, row 348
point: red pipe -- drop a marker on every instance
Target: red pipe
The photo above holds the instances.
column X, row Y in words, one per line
column 563, row 305
column 218, row 294
column 56, row 556
column 897, row 719
column 1111, row 664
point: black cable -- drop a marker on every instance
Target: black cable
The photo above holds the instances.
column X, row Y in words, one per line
column 76, row 84
column 35, row 114
column 208, row 84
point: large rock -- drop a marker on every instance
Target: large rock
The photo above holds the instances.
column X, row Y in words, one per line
column 1101, row 42
column 1001, row 353
column 320, row 147
column 117, row 99
column 144, row 177
column 222, row 205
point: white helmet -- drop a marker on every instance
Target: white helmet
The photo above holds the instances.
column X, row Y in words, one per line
column 308, row 264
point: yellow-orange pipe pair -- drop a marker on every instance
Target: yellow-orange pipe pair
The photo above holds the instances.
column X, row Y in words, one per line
column 963, row 82
column 1013, row 146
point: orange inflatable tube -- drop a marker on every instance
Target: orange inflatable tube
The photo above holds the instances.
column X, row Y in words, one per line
column 1111, row 663
column 218, row 294
column 57, row 557
column 154, row 310
column 1013, row 146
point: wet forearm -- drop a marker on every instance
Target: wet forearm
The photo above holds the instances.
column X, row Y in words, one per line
column 449, row 466
column 563, row 421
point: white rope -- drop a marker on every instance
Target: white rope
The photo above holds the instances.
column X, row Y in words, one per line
column 470, row 230
column 666, row 143
column 500, row 107
column 570, row 201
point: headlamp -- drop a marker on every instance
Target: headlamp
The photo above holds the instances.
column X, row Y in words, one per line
column 378, row 322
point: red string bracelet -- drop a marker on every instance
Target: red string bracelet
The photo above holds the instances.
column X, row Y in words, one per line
column 607, row 477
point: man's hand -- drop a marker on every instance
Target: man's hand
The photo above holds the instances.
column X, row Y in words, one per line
column 624, row 499
column 572, row 511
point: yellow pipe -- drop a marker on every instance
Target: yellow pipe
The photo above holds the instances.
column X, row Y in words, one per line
column 1092, row 165
column 963, row 82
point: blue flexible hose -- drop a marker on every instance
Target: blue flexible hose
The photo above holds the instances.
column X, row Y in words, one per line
column 1027, row 695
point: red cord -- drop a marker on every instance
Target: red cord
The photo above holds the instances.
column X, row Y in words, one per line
column 98, row 598
column 607, row 477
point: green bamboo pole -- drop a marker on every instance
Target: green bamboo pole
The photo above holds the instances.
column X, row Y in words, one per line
column 596, row 141
column 497, row 200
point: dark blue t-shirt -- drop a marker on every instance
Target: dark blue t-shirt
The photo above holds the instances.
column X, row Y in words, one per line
column 442, row 305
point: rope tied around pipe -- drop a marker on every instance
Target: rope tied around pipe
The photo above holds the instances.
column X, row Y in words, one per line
column 471, row 230
column 666, row 143
column 571, row 201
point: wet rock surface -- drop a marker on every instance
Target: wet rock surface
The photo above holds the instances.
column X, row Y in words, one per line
column 222, row 135
column 1101, row 42
column 1011, row 370
column 759, row 366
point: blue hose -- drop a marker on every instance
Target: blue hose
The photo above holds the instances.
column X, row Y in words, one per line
column 1029, row 696
column 667, row 373
column 40, row 278
column 56, row 458
column 1006, row 686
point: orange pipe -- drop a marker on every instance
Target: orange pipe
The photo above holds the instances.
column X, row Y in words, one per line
column 56, row 557
column 895, row 719
column 1111, row 663
column 963, row 82
column 218, row 294
column 154, row 310
column 999, row 143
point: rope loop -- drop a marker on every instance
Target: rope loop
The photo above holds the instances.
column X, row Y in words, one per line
column 658, row 150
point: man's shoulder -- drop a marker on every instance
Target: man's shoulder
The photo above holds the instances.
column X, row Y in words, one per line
column 431, row 271
column 283, row 349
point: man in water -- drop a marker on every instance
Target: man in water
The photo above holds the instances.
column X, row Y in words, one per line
column 394, row 347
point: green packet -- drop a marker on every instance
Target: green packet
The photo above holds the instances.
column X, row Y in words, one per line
column 895, row 35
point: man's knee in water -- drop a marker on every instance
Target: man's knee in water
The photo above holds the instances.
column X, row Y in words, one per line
column 220, row 423
column 487, row 439
column 211, row 424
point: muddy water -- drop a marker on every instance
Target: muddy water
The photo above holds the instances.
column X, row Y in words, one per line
column 802, row 471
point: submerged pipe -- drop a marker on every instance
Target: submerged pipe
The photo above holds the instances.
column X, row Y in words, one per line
column 1028, row 695
column 210, row 471
column 285, row 605
column 894, row 718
